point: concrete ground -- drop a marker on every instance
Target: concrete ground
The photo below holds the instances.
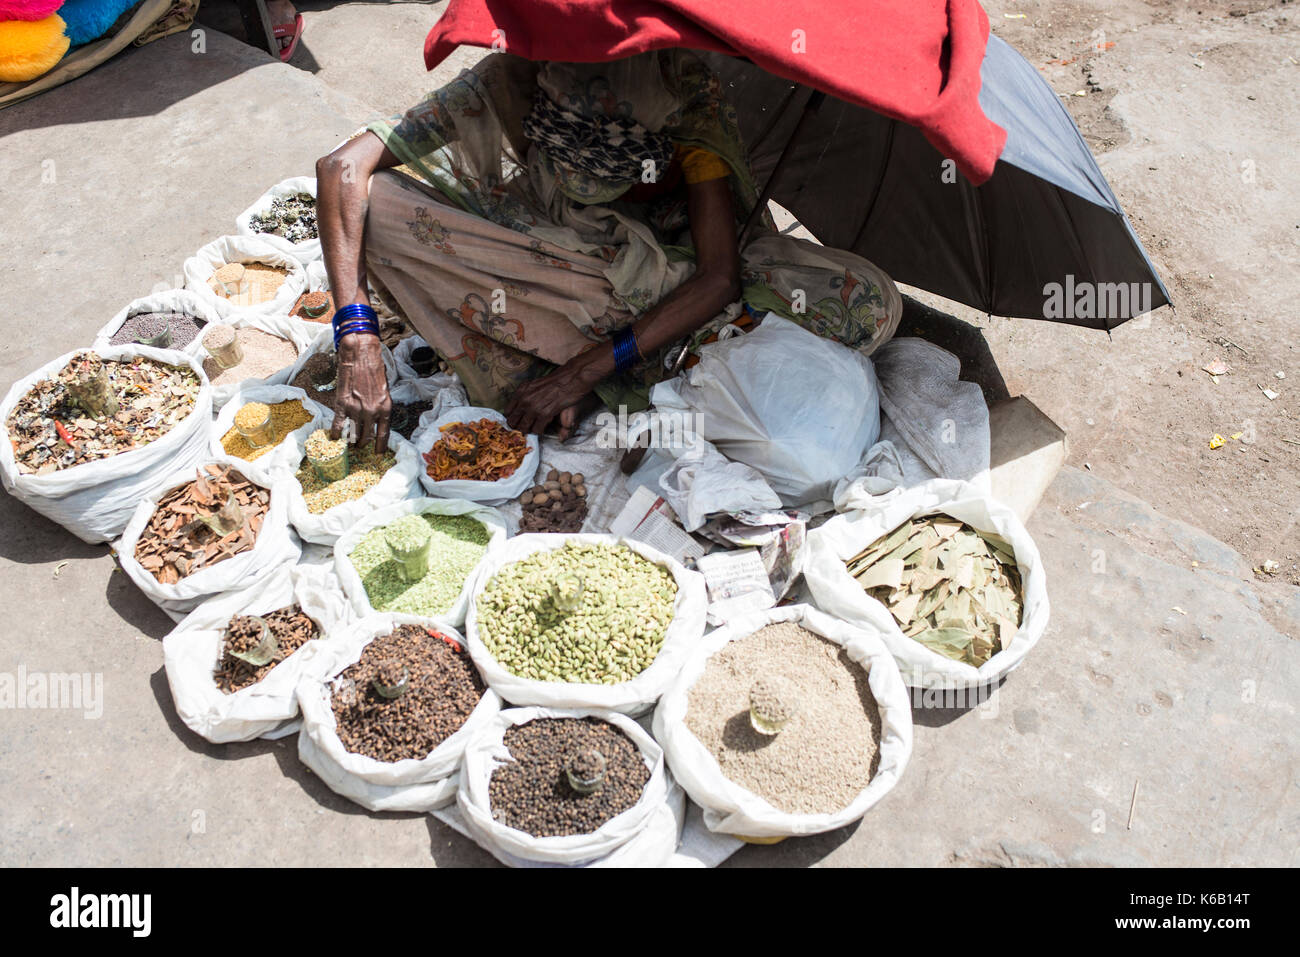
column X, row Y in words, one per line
column 1169, row 666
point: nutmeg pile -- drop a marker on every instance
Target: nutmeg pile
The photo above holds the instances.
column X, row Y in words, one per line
column 557, row 505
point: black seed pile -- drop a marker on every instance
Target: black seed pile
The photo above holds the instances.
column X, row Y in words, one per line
column 443, row 689
column 146, row 325
column 532, row 793
column 405, row 416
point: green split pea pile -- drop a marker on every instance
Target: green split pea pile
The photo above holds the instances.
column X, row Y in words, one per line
column 457, row 545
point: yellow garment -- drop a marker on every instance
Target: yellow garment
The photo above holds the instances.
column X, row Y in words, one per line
column 31, row 48
column 699, row 165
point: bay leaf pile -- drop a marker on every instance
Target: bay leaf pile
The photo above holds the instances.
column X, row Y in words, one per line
column 178, row 541
column 951, row 587
column 50, row 431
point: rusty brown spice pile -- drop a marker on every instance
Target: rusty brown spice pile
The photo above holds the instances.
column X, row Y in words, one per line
column 291, row 628
column 49, row 431
column 443, row 689
column 177, row 542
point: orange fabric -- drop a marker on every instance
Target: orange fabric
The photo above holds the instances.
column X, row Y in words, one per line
column 699, row 165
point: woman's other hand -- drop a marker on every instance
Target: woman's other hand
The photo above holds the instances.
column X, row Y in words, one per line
column 560, row 394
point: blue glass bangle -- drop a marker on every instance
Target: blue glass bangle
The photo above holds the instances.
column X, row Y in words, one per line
column 358, row 310
column 626, row 352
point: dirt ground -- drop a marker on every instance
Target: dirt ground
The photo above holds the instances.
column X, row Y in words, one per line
column 1191, row 109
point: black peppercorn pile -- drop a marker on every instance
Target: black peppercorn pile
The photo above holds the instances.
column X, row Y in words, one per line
column 292, row 630
column 532, row 793
column 405, row 417
column 443, row 689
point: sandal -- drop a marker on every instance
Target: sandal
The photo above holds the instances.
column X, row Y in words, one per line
column 294, row 32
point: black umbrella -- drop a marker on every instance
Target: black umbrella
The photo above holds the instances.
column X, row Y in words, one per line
column 1043, row 238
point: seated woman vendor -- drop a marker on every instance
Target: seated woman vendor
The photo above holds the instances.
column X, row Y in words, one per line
column 552, row 229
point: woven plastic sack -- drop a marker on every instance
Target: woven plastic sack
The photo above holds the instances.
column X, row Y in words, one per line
column 494, row 493
column 95, row 500
column 282, row 460
column 408, row 785
column 305, row 252
column 173, row 300
column 629, row 697
column 198, row 269
column 275, row 545
column 732, row 809
column 486, row 751
column 192, row 650
column 834, row 590
column 356, row 590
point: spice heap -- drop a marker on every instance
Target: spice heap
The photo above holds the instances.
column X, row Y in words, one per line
column 313, row 307
column 285, row 417
column 317, row 377
column 95, row 408
column 248, row 284
column 592, row 614
column 457, row 546
column 827, row 748
column 441, row 690
column 290, row 626
column 201, row 523
column 293, row 217
column 405, row 417
column 953, row 588
column 365, row 469
column 482, row 451
column 557, row 505
column 264, row 354
column 533, row 793
column 146, row 325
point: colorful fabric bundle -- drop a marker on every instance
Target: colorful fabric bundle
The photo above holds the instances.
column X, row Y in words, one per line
column 90, row 19
column 30, row 48
column 28, row 9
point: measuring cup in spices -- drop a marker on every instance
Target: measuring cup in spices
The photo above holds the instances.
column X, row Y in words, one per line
column 90, row 388
column 254, row 423
column 391, row 679
column 227, row 519
column 328, row 457
column 423, row 361
column 770, row 706
column 291, row 629
column 154, row 330
column 586, row 771
column 222, row 344
column 230, row 280
column 408, row 539
column 250, row 639
column 566, row 593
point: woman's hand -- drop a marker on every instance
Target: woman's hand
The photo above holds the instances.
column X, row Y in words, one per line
column 536, row 403
column 362, row 391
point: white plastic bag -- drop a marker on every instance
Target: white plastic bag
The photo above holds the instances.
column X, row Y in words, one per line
column 493, row 493
column 305, row 252
column 703, row 481
column 198, row 269
column 486, row 751
column 834, row 590
column 732, row 809
column 356, row 590
column 192, row 650
column 275, row 545
column 95, row 500
column 173, row 300
column 800, row 409
column 281, row 461
column 412, row 784
column 629, row 697
column 401, row 482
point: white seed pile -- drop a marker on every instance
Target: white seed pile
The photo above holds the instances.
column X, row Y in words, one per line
column 829, row 751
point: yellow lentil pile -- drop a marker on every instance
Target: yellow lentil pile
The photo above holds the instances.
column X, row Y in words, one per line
column 365, row 469
column 285, row 417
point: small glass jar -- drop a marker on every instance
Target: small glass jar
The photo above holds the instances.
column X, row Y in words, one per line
column 331, row 469
column 267, row 647
column 566, row 592
column 391, row 679
column 230, row 280
column 162, row 340
column 226, row 520
column 770, row 707
column 261, row 433
column 226, row 353
column 586, row 771
column 411, row 551
column 323, row 375
column 92, row 391
column 423, row 360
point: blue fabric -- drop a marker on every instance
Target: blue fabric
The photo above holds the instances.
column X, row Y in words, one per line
column 88, row 20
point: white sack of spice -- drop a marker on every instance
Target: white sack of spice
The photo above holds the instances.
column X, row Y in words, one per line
column 633, row 696
column 282, row 461
column 730, row 808
column 834, row 590
column 399, row 484
column 250, row 371
column 498, row 492
column 192, row 649
column 276, row 545
column 95, row 500
column 490, row 518
column 486, row 750
column 305, row 251
column 248, row 250
column 407, row 785
column 183, row 301
column 324, row 342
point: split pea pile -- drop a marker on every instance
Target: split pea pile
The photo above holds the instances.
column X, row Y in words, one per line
column 830, row 749
column 285, row 417
column 532, row 793
column 457, row 546
column 442, row 691
column 612, row 634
